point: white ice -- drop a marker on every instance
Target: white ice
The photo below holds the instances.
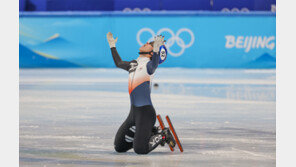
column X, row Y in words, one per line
column 69, row 117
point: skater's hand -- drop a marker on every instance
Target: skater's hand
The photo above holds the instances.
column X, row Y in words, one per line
column 111, row 40
column 158, row 41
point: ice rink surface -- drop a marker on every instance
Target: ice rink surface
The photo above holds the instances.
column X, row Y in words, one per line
column 69, row 117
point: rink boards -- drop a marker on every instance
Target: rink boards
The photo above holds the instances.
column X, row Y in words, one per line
column 194, row 39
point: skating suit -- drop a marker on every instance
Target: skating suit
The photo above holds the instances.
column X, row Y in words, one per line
column 136, row 130
column 139, row 82
column 141, row 73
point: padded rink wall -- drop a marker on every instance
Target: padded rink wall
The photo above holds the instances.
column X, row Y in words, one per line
column 194, row 39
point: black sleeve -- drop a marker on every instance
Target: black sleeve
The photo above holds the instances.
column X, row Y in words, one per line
column 117, row 60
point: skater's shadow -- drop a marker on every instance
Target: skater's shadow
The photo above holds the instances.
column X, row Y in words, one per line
column 131, row 153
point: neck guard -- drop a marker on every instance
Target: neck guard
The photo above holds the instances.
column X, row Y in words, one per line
column 150, row 53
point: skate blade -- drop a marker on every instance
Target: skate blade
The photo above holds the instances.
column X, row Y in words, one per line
column 162, row 127
column 174, row 133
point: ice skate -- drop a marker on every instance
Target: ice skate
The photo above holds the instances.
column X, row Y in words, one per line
column 168, row 138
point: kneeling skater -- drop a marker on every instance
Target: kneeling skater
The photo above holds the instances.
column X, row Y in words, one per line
column 138, row 130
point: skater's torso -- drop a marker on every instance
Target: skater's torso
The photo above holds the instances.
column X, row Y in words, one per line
column 141, row 72
column 139, row 82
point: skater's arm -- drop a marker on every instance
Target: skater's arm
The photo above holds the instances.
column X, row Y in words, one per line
column 117, row 60
column 153, row 64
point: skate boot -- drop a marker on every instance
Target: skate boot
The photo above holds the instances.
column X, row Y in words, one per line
column 156, row 130
column 168, row 138
column 166, row 135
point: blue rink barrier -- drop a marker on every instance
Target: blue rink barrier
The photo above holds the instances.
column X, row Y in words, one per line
column 148, row 5
column 194, row 39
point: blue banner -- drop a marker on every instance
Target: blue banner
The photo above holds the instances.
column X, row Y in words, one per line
column 148, row 5
column 193, row 40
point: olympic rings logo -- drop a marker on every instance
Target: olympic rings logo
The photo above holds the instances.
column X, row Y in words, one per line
column 171, row 41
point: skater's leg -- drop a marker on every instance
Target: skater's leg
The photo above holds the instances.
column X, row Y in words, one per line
column 125, row 134
column 144, row 141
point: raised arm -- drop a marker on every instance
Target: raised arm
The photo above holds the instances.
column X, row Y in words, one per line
column 117, row 60
column 153, row 64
